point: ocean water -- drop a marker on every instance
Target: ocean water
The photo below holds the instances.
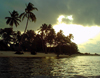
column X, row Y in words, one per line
column 72, row 67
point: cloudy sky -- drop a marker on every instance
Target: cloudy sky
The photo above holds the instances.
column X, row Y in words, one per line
column 79, row 17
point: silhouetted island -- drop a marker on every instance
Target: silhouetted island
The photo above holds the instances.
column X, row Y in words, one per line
column 45, row 41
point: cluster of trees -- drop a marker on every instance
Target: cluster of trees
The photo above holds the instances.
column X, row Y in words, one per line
column 46, row 40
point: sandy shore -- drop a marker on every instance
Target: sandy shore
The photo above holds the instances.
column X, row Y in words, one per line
column 28, row 54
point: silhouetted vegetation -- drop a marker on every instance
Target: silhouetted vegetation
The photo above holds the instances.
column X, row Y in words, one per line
column 28, row 14
column 50, row 42
column 13, row 19
column 46, row 40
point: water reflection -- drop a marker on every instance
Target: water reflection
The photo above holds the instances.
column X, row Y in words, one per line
column 28, row 67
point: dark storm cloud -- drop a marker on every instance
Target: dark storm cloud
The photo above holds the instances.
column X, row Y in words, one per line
column 49, row 10
column 85, row 12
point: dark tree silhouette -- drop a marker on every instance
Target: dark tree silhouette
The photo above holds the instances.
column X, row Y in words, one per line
column 7, row 36
column 59, row 41
column 30, row 35
column 28, row 39
column 44, row 31
column 29, row 14
column 51, row 36
column 14, row 19
column 70, row 36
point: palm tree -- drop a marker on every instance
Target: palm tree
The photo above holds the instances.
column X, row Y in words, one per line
column 30, row 35
column 59, row 41
column 13, row 19
column 70, row 36
column 51, row 39
column 44, row 31
column 60, row 38
column 28, row 14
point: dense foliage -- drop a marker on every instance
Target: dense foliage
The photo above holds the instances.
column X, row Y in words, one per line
column 46, row 40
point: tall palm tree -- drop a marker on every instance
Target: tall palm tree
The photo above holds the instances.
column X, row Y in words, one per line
column 51, row 38
column 44, row 31
column 59, row 41
column 28, row 14
column 14, row 19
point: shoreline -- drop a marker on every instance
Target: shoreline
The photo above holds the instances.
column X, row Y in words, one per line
column 28, row 54
column 39, row 55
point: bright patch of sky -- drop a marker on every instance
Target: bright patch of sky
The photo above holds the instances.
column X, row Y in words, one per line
column 82, row 34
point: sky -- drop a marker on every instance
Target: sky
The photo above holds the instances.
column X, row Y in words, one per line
column 79, row 17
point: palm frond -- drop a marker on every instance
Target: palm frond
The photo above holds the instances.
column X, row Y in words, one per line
column 16, row 23
column 13, row 19
column 32, row 17
column 17, row 19
column 8, row 21
column 34, row 8
column 21, row 15
column 10, row 13
column 11, row 23
column 30, row 7
column 7, row 17
column 25, row 15
column 15, row 13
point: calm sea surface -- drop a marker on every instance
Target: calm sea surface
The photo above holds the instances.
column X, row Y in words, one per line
column 72, row 67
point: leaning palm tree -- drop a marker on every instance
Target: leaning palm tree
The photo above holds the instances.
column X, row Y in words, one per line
column 14, row 19
column 28, row 14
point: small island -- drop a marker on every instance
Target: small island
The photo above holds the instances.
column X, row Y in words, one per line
column 37, row 45
column 50, row 43
column 42, row 41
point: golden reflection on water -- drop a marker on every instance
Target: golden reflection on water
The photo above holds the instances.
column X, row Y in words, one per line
column 50, row 57
column 85, row 66
column 50, row 66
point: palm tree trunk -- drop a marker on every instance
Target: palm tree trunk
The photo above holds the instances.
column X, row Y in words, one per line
column 26, row 25
column 22, row 36
column 70, row 48
column 42, row 42
column 49, row 48
column 45, row 47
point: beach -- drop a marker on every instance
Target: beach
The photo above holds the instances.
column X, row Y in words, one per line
column 27, row 54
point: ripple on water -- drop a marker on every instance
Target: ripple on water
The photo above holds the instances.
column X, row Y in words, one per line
column 71, row 67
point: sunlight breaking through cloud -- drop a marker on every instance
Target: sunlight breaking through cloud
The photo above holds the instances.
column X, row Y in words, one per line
column 67, row 18
column 70, row 17
column 81, row 33
column 60, row 18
